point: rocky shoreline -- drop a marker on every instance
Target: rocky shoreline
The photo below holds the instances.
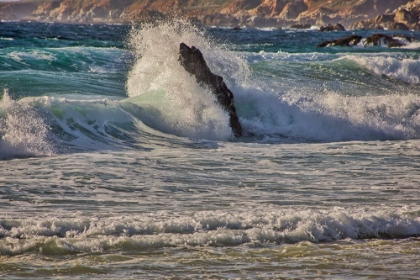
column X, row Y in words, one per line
column 350, row 14
column 374, row 40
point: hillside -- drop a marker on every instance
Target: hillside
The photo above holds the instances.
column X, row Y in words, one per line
column 406, row 17
column 275, row 13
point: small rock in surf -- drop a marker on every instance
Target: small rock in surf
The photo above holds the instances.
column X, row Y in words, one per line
column 346, row 42
column 193, row 61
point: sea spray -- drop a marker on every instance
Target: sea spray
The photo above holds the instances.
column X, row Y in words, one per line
column 186, row 109
column 23, row 130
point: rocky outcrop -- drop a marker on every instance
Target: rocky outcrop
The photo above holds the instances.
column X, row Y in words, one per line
column 382, row 40
column 292, row 10
column 300, row 26
column 405, row 17
column 398, row 26
column 343, row 42
column 270, row 8
column 241, row 5
column 193, row 61
column 329, row 27
column 374, row 40
column 81, row 11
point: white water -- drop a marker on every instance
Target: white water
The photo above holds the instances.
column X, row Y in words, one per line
column 215, row 203
column 23, row 129
column 407, row 69
column 154, row 185
column 186, row 109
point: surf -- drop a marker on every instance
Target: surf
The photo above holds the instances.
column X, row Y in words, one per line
column 265, row 109
column 218, row 228
column 128, row 94
column 187, row 109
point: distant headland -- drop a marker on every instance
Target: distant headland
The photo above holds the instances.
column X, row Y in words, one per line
column 352, row 14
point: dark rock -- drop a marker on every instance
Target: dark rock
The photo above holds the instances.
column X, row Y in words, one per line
column 382, row 39
column 193, row 61
column 407, row 38
column 398, row 26
column 301, row 26
column 343, row 42
column 395, row 44
column 329, row 27
column 237, row 28
column 416, row 27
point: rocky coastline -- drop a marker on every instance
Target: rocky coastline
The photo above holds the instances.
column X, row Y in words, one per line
column 350, row 14
column 405, row 17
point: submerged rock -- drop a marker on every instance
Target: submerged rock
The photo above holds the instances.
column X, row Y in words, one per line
column 193, row 61
column 343, row 42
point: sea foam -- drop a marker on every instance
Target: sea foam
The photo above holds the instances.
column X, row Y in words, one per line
column 204, row 228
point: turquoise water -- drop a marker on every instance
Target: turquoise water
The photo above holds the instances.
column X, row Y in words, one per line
column 115, row 163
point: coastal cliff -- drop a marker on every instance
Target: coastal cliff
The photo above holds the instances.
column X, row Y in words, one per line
column 405, row 17
column 253, row 13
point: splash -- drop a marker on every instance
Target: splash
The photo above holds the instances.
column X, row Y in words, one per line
column 176, row 102
column 23, row 129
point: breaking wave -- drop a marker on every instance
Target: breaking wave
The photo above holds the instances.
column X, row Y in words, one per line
column 70, row 235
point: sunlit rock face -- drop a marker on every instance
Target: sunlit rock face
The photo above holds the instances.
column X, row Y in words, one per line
column 404, row 17
column 254, row 13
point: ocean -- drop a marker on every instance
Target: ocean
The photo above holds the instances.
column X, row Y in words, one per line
column 115, row 163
